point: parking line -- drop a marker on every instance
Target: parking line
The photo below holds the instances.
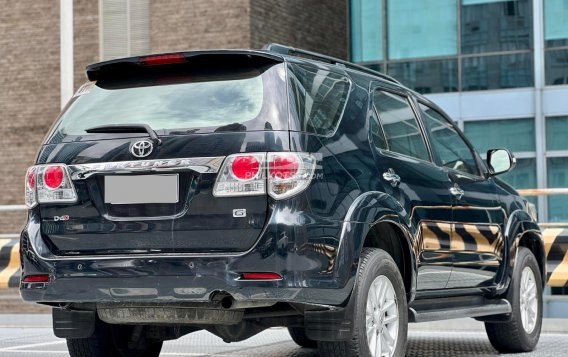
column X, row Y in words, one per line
column 16, row 348
column 32, row 351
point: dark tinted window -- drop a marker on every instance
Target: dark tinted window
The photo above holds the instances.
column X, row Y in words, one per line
column 377, row 134
column 451, row 149
column 318, row 97
column 401, row 129
column 198, row 97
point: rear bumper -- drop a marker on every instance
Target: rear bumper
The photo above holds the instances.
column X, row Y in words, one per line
column 140, row 280
column 312, row 270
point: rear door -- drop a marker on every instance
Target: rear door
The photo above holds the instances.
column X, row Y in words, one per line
column 136, row 195
column 477, row 243
column 421, row 187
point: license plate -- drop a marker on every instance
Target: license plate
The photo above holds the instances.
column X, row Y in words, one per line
column 124, row 190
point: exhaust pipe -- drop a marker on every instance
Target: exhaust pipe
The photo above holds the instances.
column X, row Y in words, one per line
column 227, row 302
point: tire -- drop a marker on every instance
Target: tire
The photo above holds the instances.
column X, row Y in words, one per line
column 112, row 341
column 513, row 336
column 298, row 334
column 375, row 266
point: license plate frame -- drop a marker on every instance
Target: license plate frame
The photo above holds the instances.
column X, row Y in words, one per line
column 141, row 189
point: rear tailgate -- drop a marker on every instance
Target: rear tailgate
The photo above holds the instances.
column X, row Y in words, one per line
column 202, row 111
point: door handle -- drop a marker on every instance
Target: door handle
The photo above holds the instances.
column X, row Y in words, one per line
column 457, row 191
column 391, row 177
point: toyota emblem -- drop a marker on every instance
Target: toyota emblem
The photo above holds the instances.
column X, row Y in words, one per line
column 142, row 148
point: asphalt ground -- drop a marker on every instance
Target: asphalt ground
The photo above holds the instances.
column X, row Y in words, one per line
column 33, row 342
column 25, row 330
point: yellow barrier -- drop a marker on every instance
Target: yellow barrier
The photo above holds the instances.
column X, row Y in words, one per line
column 556, row 248
column 9, row 263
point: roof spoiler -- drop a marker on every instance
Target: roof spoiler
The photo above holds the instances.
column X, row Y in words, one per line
column 135, row 64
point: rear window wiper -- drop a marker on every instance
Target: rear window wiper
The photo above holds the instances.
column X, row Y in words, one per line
column 127, row 128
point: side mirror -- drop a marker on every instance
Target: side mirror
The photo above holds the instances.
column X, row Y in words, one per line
column 500, row 161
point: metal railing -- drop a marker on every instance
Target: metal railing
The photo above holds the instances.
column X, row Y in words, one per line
column 546, row 192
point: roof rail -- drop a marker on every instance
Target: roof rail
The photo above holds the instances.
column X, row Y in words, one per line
column 291, row 51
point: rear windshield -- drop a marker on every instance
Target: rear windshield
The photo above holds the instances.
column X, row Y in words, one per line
column 318, row 98
column 194, row 100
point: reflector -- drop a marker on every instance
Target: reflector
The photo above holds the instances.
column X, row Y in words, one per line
column 261, row 276
column 42, row 278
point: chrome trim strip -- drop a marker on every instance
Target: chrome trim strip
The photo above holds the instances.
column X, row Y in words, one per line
column 202, row 165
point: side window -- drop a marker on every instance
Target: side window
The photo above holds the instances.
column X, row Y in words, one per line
column 319, row 97
column 401, row 129
column 450, row 147
column 377, row 134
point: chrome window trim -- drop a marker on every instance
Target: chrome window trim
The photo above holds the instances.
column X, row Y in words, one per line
column 202, row 165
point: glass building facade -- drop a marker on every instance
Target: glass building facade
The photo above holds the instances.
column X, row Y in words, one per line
column 498, row 67
column 472, row 46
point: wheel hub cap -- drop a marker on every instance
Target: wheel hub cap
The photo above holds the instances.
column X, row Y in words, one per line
column 382, row 318
column 528, row 300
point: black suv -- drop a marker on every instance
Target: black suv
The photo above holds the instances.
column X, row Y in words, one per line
column 238, row 190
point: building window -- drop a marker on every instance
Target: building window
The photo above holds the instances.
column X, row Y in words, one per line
column 366, row 30
column 557, row 133
column 557, row 166
column 125, row 28
column 523, row 175
column 556, row 67
column 497, row 72
column 555, row 19
column 423, row 28
column 517, row 135
column 557, row 170
column 422, row 37
column 427, row 76
column 556, row 42
column 495, row 25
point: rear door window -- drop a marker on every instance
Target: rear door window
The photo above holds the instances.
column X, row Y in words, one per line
column 401, row 129
column 318, row 97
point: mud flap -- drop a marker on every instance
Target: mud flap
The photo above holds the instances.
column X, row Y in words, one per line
column 331, row 325
column 73, row 323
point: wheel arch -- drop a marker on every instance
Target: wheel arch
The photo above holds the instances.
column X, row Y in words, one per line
column 393, row 239
column 371, row 217
column 532, row 240
column 522, row 231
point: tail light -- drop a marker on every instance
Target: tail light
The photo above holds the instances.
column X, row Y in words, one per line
column 281, row 175
column 49, row 184
column 289, row 173
column 241, row 175
column 30, row 193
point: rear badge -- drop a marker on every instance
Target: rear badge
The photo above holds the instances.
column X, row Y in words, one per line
column 239, row 212
column 142, row 148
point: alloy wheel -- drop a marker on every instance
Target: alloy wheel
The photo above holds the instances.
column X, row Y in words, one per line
column 382, row 318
